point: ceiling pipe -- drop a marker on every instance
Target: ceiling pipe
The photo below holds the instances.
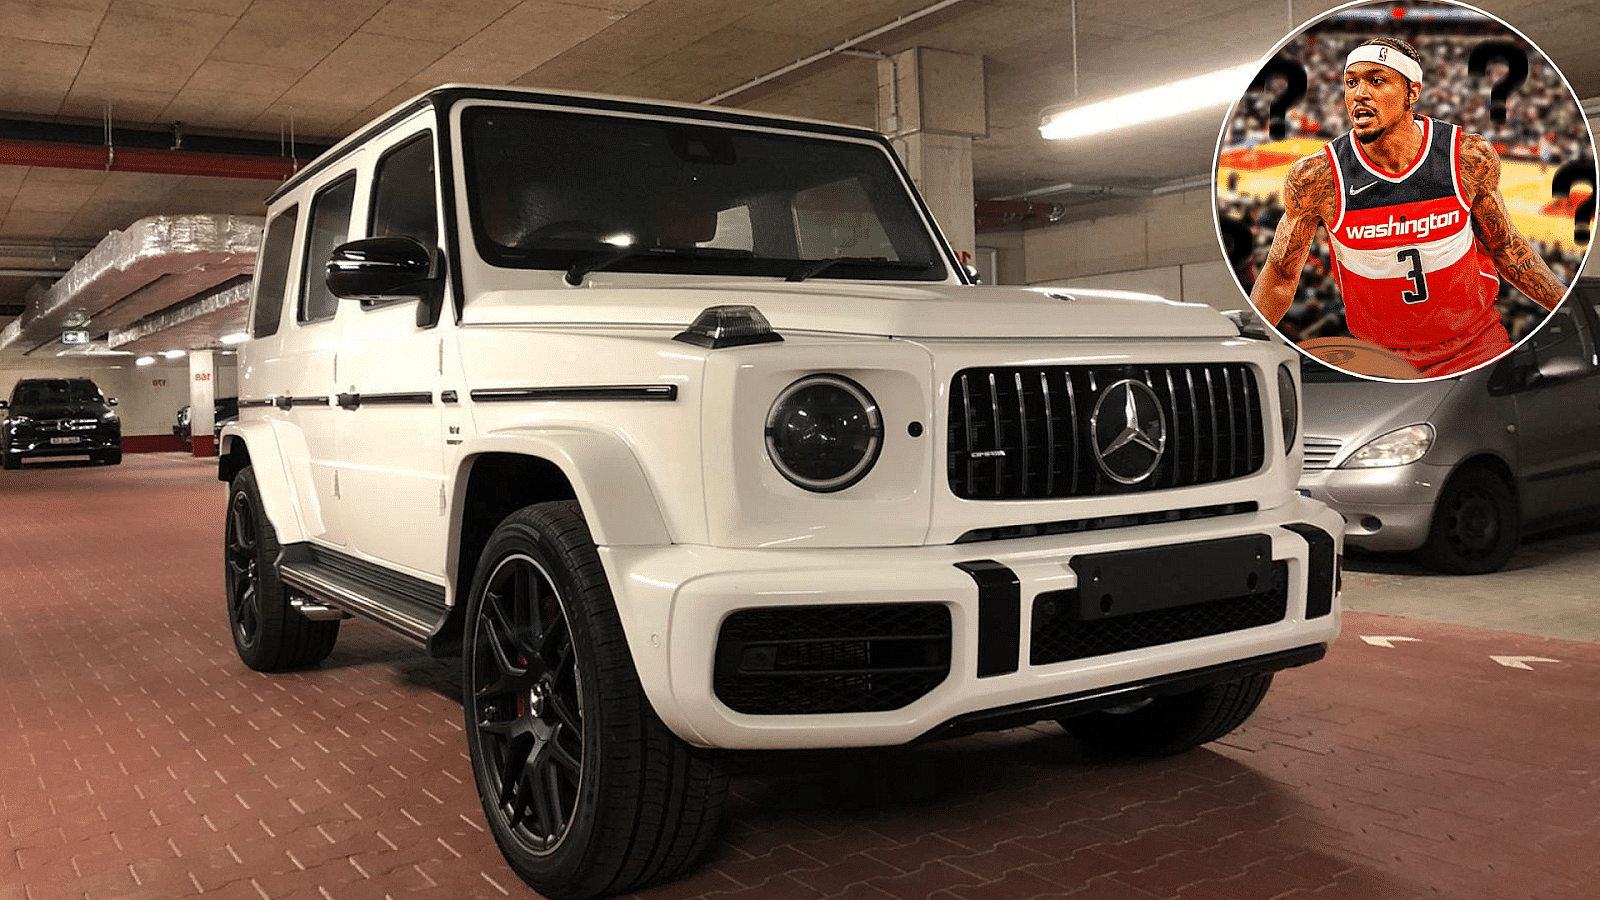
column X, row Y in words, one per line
column 66, row 146
column 838, row 49
column 139, row 159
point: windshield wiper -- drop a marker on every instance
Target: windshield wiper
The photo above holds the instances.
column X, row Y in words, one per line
column 815, row 267
column 584, row 263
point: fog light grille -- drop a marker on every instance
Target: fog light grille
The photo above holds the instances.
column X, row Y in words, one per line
column 810, row 660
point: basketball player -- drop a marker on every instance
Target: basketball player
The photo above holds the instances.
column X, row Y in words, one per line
column 1415, row 218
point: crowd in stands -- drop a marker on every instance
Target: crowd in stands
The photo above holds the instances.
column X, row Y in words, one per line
column 1543, row 125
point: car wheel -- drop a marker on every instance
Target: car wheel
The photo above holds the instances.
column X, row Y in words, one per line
column 112, row 457
column 1476, row 525
column 586, row 791
column 10, row 460
column 270, row 635
column 1169, row 725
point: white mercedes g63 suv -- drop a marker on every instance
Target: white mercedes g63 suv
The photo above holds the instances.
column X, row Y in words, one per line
column 686, row 431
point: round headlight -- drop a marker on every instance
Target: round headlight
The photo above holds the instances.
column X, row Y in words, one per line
column 824, row 433
column 1288, row 407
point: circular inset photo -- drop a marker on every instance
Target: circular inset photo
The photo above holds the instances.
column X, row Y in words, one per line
column 1406, row 190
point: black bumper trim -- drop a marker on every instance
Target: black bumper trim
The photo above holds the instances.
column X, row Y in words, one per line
column 1069, row 705
column 1322, row 571
column 999, row 616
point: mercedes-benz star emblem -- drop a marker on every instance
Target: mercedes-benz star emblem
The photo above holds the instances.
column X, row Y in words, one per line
column 1129, row 431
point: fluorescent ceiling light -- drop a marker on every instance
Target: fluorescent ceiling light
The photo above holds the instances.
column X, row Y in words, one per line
column 1162, row 102
column 172, row 354
column 145, row 361
column 238, row 337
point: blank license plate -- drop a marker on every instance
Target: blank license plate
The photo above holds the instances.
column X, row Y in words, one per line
column 65, row 440
column 1151, row 578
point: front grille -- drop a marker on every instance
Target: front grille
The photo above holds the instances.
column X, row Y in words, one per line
column 1319, row 452
column 1059, row 634
column 1024, row 433
column 810, row 660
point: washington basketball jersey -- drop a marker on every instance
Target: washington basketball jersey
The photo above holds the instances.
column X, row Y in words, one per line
column 1412, row 276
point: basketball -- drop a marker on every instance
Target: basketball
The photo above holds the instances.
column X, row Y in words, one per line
column 1359, row 357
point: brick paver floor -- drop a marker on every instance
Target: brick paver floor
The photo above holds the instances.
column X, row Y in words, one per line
column 140, row 759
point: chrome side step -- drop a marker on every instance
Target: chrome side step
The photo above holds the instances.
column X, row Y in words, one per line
column 334, row 597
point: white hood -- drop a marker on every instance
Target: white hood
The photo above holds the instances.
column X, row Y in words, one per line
column 891, row 310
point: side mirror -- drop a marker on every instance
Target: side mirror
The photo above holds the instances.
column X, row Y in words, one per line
column 5, row 404
column 111, row 401
column 1560, row 368
column 384, row 268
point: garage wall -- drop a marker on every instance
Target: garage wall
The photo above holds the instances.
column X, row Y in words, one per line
column 1165, row 245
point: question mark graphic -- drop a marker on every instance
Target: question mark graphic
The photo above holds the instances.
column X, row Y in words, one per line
column 1570, row 173
column 1295, row 75
column 1516, row 60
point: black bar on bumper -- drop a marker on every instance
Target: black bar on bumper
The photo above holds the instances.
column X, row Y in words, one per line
column 1069, row 705
column 999, row 616
column 1321, row 572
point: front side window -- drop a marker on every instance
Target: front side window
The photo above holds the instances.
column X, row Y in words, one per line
column 403, row 203
column 559, row 189
column 330, row 227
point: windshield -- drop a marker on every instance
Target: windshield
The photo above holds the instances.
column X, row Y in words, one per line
column 54, row 391
column 582, row 191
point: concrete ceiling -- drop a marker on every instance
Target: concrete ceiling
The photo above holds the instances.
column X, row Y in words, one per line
column 310, row 71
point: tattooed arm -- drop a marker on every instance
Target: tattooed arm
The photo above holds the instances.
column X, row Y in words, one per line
column 1308, row 199
column 1516, row 259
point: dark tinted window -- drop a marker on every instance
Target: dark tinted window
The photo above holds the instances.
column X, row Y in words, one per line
column 330, row 227
column 551, row 189
column 272, row 283
column 403, row 193
column 44, row 391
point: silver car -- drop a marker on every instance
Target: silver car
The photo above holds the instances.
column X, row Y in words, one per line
column 1457, row 470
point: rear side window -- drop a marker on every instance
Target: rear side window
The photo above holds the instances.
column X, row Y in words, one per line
column 272, row 283
column 330, row 227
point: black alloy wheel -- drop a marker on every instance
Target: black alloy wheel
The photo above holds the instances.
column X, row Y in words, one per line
column 529, row 710
column 585, row 789
column 268, row 633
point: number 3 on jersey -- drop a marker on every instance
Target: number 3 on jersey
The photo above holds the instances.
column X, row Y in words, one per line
column 1420, row 283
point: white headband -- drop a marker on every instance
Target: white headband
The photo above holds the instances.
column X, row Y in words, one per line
column 1386, row 56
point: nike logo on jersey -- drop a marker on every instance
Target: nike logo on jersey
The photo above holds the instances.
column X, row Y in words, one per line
column 1356, row 190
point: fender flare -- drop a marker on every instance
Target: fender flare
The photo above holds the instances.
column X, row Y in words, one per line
column 277, row 491
column 611, row 486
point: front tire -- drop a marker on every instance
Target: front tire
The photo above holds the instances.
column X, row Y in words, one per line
column 586, row 791
column 269, row 635
column 1167, row 726
column 1476, row 525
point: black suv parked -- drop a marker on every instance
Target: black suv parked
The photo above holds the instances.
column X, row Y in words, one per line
column 59, row 417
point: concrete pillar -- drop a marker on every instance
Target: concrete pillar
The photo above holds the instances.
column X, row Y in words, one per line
column 931, row 104
column 202, row 403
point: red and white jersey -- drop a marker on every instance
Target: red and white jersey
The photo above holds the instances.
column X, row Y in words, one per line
column 1412, row 275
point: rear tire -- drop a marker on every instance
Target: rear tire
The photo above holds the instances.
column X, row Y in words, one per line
column 10, row 460
column 1167, row 726
column 1476, row 525
column 269, row 634
column 586, row 791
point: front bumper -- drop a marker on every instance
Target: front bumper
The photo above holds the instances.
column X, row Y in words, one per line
column 1387, row 509
column 40, row 444
column 1002, row 600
